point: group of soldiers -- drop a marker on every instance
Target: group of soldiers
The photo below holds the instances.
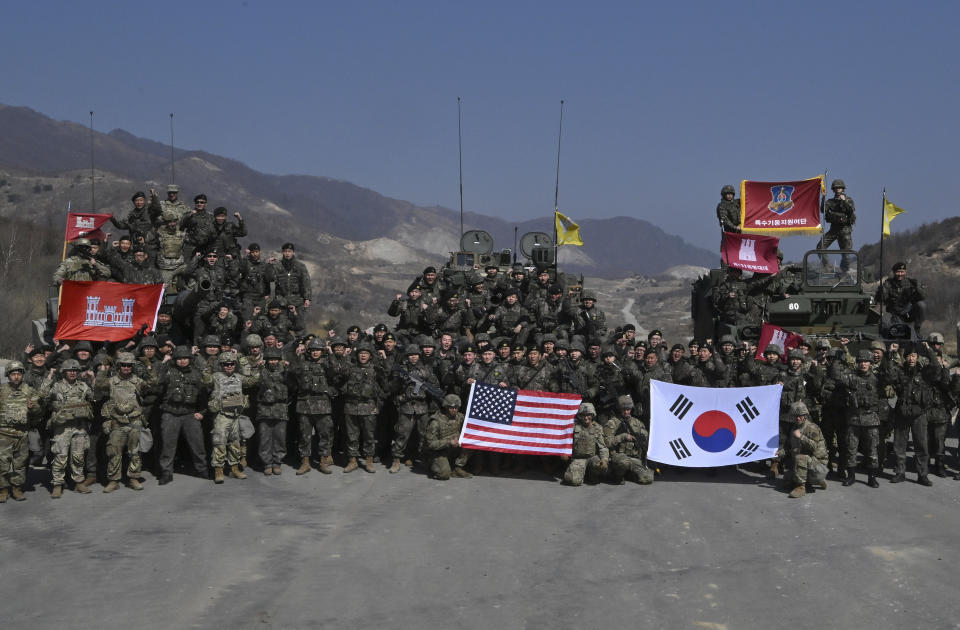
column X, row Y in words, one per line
column 396, row 394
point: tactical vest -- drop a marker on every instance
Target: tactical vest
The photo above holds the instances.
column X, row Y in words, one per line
column 584, row 441
column 14, row 413
column 227, row 394
column 170, row 250
column 70, row 402
column 124, row 403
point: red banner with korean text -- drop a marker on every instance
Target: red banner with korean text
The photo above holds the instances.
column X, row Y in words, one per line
column 783, row 339
column 85, row 224
column 106, row 311
column 781, row 208
column 751, row 252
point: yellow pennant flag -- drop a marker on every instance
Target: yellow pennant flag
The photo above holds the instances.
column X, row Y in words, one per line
column 890, row 211
column 568, row 232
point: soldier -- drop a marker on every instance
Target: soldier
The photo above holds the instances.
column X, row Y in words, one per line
column 911, row 382
column 535, row 374
column 211, row 278
column 728, row 210
column 798, row 386
column 228, row 401
column 731, row 304
column 681, row 371
column 862, row 391
column 363, row 392
column 902, row 299
column 494, row 282
column 19, row 411
column 711, row 367
column 808, row 452
column 626, row 438
column 551, row 314
column 291, row 278
column 450, row 317
column 222, row 323
column 272, row 396
column 315, row 407
column 81, row 265
column 139, row 270
column 430, row 285
column 412, row 403
column 71, row 401
column 510, row 319
column 938, row 412
column 590, row 455
column 138, row 219
column 574, row 375
column 122, row 393
column 168, row 243
column 172, row 202
column 283, row 325
column 840, row 213
column 441, row 442
column 417, row 315
column 588, row 320
column 253, row 284
column 198, row 225
column 181, row 384
column 225, row 234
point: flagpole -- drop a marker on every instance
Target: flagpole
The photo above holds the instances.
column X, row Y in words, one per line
column 173, row 178
column 823, row 197
column 883, row 206
column 556, row 189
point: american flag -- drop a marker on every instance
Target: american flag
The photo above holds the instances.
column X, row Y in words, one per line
column 519, row 421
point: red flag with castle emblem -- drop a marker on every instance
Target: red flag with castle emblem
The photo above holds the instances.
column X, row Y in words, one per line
column 784, row 339
column 85, row 224
column 106, row 311
column 781, row 208
column 750, row 252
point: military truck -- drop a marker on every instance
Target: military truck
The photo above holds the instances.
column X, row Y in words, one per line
column 823, row 297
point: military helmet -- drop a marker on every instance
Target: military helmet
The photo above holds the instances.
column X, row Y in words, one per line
column 182, row 352
column 173, row 188
column 823, row 343
column 149, row 341
column 337, row 341
column 125, row 358
column 773, row 348
column 474, row 278
column 170, row 215
column 578, row 346
column 799, row 408
column 426, row 341
column 83, row 345
column 366, row 346
column 728, row 339
column 273, row 353
column 837, row 183
column 864, row 355
column 588, row 295
column 587, row 408
column 220, row 210
column 625, row 402
column 878, row 345
column 727, row 189
column 70, row 364
column 795, row 354
column 451, row 400
column 254, row 341
column 211, row 340
column 229, row 356
column 15, row 366
column 315, row 344
column 411, row 348
column 934, row 337
column 608, row 351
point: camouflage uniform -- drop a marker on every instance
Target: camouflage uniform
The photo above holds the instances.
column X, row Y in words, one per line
column 441, row 428
column 181, row 389
column 412, row 405
column 914, row 398
column 123, row 419
column 272, row 396
column 19, row 410
column 80, row 269
column 315, row 396
column 862, row 391
column 590, row 454
column 808, row 453
column 626, row 438
column 363, row 392
column 291, row 281
column 228, row 401
column 72, row 414
column 169, row 259
column 841, row 215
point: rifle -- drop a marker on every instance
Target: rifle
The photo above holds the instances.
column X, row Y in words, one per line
column 639, row 441
column 571, row 375
column 418, row 383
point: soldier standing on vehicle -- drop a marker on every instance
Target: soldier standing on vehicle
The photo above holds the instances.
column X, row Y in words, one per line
column 903, row 299
column 291, row 278
column 840, row 213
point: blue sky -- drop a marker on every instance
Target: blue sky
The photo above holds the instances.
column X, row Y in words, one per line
column 664, row 103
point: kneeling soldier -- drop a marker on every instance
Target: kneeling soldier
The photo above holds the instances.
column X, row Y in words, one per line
column 626, row 437
column 590, row 454
column 809, row 453
column 441, row 441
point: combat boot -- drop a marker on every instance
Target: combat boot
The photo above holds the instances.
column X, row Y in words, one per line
column 16, row 493
column 898, row 478
column 798, row 492
column 923, row 480
column 774, row 470
column 277, row 469
column 351, row 465
column 461, row 473
column 304, row 466
column 135, row 484
column 90, row 479
column 243, row 462
column 368, row 465
column 111, row 487
column 395, row 466
column 4, row 495
column 851, row 477
column 81, row 489
column 218, row 474
column 236, row 473
column 325, row 464
column 939, row 469
column 57, row 492
column 821, row 484
column 872, row 478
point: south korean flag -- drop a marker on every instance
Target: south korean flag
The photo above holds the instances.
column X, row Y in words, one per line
column 700, row 427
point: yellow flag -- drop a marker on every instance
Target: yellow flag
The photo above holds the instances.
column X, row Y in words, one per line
column 568, row 232
column 889, row 212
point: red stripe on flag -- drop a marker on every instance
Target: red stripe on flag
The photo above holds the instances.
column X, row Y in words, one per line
column 533, row 434
column 545, row 416
column 538, row 394
column 496, row 440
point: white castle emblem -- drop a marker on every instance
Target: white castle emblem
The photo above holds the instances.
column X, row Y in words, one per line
column 748, row 250
column 87, row 223
column 109, row 317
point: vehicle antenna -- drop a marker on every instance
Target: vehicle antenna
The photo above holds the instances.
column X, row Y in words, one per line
column 93, row 183
column 173, row 178
column 460, row 156
column 556, row 188
column 823, row 199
